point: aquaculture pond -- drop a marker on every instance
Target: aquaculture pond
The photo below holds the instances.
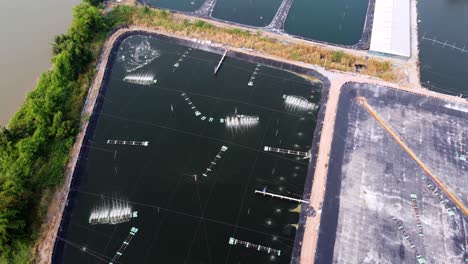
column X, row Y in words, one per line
column 179, row 5
column 443, row 46
column 338, row 21
column 257, row 13
column 178, row 153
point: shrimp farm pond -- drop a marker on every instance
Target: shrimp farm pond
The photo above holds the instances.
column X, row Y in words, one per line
column 339, row 22
column 176, row 154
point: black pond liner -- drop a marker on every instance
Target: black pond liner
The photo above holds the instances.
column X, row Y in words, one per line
column 57, row 254
column 362, row 44
column 331, row 202
column 331, row 205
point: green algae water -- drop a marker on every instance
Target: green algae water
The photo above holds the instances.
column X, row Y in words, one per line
column 257, row 13
column 337, row 21
column 192, row 187
column 179, row 5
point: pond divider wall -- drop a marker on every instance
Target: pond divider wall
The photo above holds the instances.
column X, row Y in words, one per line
column 331, row 202
column 57, row 254
column 362, row 44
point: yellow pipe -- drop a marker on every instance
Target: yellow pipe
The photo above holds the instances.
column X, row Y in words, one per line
column 362, row 101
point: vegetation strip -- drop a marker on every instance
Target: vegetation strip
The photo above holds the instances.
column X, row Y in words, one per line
column 35, row 147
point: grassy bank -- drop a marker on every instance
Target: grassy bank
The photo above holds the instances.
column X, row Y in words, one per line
column 34, row 148
column 313, row 54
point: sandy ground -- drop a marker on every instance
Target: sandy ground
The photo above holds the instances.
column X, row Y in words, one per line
column 44, row 247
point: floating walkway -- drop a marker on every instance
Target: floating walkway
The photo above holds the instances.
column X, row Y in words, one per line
column 255, row 72
column 125, row 142
column 445, row 44
column 181, row 59
column 306, row 155
column 213, row 162
column 124, row 245
column 190, row 104
column 197, row 113
column 265, row 193
column 220, row 62
column 235, row 241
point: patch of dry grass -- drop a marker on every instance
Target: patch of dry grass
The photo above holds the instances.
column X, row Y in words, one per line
column 330, row 59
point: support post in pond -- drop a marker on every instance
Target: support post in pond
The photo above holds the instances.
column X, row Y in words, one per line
column 220, row 62
column 306, row 155
column 234, row 241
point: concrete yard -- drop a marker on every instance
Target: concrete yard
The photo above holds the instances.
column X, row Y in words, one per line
column 380, row 206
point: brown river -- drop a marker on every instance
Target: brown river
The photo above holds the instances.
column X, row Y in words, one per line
column 27, row 28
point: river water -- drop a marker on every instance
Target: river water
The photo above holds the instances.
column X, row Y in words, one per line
column 191, row 195
column 32, row 25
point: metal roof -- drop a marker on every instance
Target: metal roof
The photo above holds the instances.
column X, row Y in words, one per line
column 391, row 31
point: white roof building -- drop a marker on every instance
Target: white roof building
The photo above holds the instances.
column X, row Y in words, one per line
column 391, row 31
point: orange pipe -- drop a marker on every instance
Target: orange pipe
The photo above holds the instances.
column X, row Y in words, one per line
column 362, row 101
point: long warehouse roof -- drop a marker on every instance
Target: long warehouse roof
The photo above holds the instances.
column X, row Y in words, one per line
column 391, row 31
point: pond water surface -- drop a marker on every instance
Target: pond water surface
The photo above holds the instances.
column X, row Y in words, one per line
column 187, row 213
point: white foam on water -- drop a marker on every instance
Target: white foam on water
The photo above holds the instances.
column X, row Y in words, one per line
column 138, row 54
column 111, row 212
column 298, row 104
column 241, row 122
column 141, row 78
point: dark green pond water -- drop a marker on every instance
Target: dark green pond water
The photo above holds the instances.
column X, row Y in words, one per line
column 334, row 21
column 257, row 13
column 180, row 5
column 444, row 69
column 183, row 218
